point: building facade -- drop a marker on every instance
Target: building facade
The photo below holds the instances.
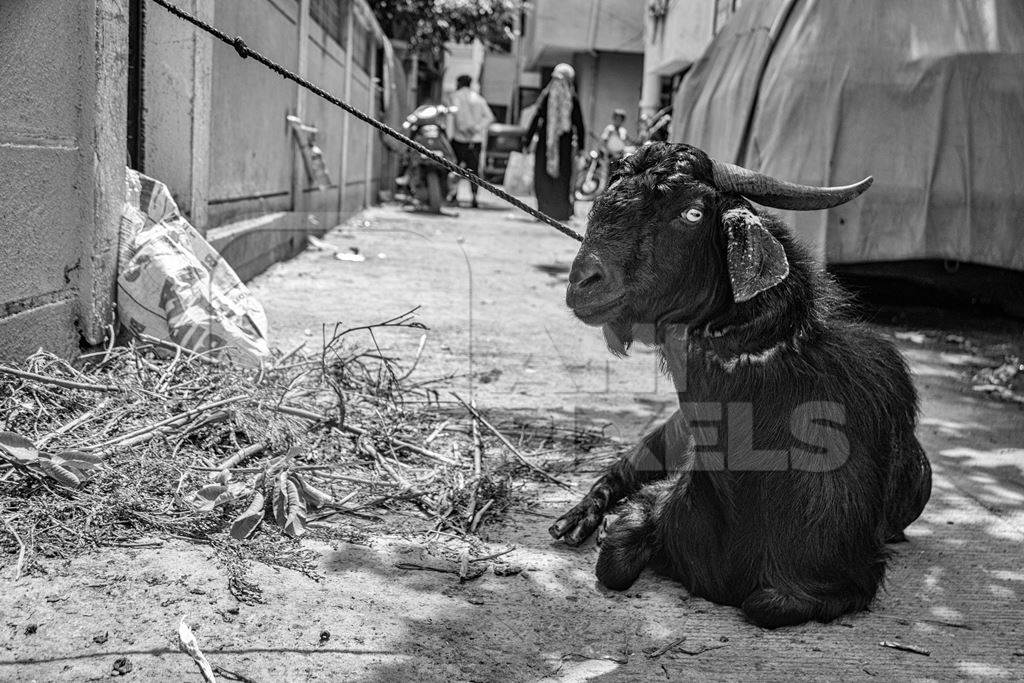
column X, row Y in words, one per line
column 604, row 42
column 676, row 33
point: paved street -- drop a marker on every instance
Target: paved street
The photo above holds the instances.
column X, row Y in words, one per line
column 956, row 590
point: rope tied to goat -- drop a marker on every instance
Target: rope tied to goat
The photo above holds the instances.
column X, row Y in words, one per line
column 244, row 51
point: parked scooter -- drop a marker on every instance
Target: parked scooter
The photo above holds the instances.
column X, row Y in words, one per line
column 654, row 127
column 595, row 167
column 427, row 180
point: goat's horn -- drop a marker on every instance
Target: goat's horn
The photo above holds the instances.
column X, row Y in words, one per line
column 780, row 194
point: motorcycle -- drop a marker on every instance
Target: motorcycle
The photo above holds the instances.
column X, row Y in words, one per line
column 595, row 168
column 427, row 180
column 654, row 127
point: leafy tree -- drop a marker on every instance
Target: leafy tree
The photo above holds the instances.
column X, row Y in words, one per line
column 429, row 24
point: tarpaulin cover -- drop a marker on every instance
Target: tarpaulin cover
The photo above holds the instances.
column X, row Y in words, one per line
column 925, row 95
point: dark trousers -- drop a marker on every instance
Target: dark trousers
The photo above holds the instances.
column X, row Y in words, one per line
column 468, row 156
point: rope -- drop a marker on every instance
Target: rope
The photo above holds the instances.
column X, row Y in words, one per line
column 245, row 51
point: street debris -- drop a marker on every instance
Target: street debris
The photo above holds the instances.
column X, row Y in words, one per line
column 133, row 445
column 465, row 572
column 189, row 645
column 657, row 651
column 122, row 667
column 1005, row 381
column 676, row 646
column 904, row 647
column 912, row 337
column 351, row 255
column 314, row 243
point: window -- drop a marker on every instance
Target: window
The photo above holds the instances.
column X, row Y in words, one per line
column 362, row 47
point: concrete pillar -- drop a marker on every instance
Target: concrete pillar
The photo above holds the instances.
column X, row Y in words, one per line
column 650, row 94
column 299, row 203
column 202, row 104
column 103, row 141
column 63, row 126
column 371, row 146
column 346, row 126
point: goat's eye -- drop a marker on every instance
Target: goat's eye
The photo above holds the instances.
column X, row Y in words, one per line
column 693, row 215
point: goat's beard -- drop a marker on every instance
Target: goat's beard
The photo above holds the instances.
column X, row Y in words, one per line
column 619, row 335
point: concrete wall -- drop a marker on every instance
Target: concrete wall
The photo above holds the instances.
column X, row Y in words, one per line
column 213, row 129
column 249, row 137
column 63, row 68
column 216, row 130
column 608, row 81
column 177, row 78
column 327, row 66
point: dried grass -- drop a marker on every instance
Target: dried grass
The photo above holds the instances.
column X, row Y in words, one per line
column 346, row 419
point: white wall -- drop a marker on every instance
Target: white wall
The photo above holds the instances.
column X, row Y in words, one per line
column 556, row 29
column 680, row 37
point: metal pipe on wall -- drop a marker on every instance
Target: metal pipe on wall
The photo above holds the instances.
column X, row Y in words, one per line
column 302, row 27
column 346, row 124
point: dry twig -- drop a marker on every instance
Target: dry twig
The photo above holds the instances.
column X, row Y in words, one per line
column 508, row 444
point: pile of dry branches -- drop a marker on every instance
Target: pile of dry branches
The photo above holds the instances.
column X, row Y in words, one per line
column 147, row 441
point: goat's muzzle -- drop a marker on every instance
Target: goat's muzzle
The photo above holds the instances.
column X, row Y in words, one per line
column 595, row 290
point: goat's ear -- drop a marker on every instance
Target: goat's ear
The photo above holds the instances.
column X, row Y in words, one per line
column 756, row 260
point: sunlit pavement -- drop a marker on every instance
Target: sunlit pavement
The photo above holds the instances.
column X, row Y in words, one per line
column 956, row 590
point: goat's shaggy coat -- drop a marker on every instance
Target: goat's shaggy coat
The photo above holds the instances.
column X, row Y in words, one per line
column 792, row 460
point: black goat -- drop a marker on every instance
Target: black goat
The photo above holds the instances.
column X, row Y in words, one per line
column 792, row 459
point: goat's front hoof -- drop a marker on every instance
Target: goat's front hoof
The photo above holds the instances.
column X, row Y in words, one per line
column 578, row 523
column 602, row 530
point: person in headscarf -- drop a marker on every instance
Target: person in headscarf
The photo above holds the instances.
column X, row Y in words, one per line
column 556, row 120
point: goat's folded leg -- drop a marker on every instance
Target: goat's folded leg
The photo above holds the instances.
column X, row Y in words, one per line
column 631, row 541
column 908, row 488
column 667, row 449
column 774, row 607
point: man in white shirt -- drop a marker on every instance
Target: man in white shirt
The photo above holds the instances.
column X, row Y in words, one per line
column 468, row 126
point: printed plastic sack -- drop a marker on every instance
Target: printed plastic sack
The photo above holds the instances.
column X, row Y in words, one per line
column 173, row 285
column 519, row 174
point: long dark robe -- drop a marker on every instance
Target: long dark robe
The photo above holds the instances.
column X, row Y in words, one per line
column 554, row 195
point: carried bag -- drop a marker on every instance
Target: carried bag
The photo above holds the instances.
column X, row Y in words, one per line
column 519, row 173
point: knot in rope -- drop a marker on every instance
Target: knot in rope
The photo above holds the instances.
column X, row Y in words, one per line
column 240, row 47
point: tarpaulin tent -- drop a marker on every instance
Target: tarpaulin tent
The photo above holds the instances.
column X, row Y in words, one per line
column 926, row 95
